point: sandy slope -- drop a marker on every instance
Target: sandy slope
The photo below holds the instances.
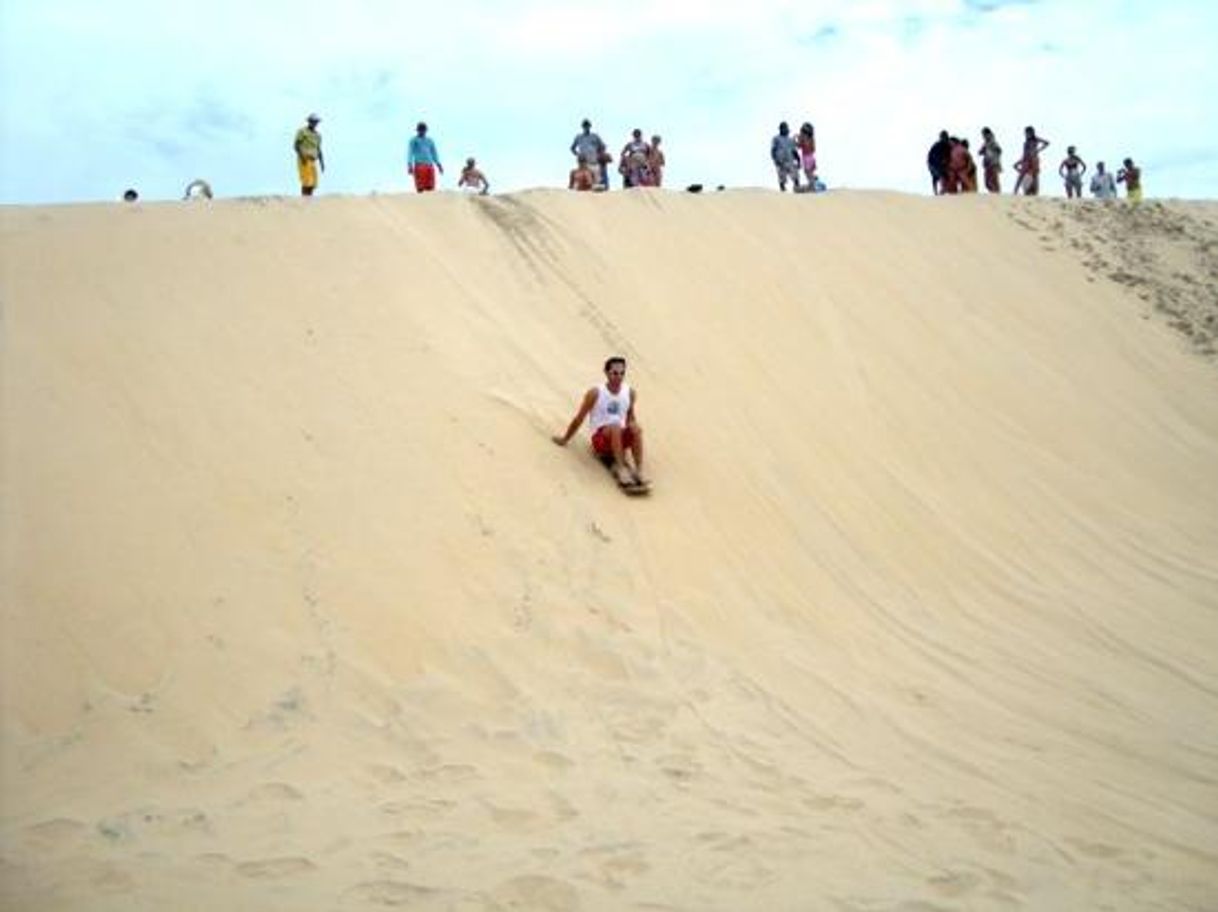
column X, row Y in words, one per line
column 302, row 609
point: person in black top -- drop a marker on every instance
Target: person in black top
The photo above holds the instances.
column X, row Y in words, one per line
column 937, row 161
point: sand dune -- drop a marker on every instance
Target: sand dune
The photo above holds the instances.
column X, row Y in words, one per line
column 303, row 610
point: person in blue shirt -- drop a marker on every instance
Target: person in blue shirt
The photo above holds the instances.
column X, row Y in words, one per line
column 422, row 160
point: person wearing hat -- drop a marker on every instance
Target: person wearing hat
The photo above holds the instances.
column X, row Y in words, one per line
column 422, row 160
column 308, row 155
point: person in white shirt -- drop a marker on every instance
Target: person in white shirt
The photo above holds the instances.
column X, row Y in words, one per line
column 610, row 410
column 1102, row 185
column 472, row 180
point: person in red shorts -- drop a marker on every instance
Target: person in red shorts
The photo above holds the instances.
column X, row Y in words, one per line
column 1029, row 165
column 422, row 160
column 609, row 409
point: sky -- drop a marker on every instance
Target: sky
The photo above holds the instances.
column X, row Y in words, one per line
column 151, row 94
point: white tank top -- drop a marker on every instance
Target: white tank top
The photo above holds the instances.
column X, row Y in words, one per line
column 610, row 408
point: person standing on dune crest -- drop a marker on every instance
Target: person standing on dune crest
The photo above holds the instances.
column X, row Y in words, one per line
column 308, row 155
column 991, row 160
column 422, row 160
column 784, row 153
column 1029, row 164
column 1102, row 185
column 616, row 434
column 1131, row 177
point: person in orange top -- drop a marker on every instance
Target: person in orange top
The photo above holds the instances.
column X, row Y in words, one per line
column 957, row 164
column 968, row 183
column 655, row 163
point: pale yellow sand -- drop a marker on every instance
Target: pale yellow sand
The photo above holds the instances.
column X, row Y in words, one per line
column 303, row 610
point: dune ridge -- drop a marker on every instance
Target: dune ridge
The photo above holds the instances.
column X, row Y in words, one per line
column 303, row 610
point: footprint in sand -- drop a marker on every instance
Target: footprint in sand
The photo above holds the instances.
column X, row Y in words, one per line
column 450, row 773
column 1095, row 849
column 274, row 868
column 612, row 867
column 518, row 819
column 988, row 831
column 57, row 833
column 833, row 803
column 395, row 893
column 385, row 773
column 109, row 878
column 273, row 793
column 954, row 884
column 389, row 863
column 535, row 893
column 680, row 768
column 553, row 760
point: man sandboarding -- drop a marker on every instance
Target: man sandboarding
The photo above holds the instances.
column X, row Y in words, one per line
column 609, row 409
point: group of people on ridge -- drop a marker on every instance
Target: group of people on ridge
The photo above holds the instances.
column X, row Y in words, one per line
column 422, row 161
column 640, row 163
column 1103, row 183
column 954, row 170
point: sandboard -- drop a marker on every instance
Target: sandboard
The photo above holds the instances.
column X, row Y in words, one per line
column 634, row 490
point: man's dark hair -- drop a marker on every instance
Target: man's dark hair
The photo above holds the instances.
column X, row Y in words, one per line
column 616, row 359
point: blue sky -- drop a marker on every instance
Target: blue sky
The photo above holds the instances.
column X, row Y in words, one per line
column 97, row 97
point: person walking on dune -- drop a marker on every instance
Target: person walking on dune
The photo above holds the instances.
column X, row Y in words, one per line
column 616, row 434
column 308, row 155
column 422, row 160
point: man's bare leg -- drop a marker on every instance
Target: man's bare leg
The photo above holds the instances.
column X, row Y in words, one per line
column 636, row 453
column 621, row 471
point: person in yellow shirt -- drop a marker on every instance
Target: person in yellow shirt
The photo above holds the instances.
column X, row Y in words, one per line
column 308, row 155
column 1131, row 177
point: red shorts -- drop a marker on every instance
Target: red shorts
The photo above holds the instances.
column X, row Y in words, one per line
column 601, row 444
column 424, row 178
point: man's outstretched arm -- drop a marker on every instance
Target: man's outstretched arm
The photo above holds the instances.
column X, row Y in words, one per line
column 584, row 408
